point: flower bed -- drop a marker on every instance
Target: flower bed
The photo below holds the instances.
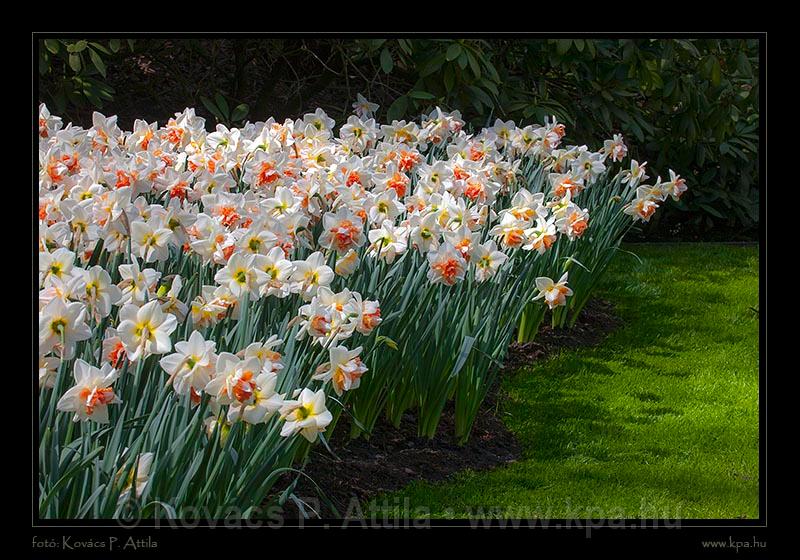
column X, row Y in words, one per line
column 212, row 303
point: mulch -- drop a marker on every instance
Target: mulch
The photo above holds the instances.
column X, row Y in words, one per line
column 393, row 457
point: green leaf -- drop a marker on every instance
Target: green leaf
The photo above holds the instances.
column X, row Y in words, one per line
column 453, row 52
column 52, row 45
column 387, row 64
column 240, row 112
column 716, row 72
column 100, row 48
column 75, row 62
column 449, row 77
column 474, row 65
column 743, row 64
column 397, row 109
column 416, row 94
column 98, row 62
column 430, row 66
column 114, row 45
column 222, row 104
column 77, row 47
column 711, row 210
column 482, row 95
column 211, row 107
column 563, row 45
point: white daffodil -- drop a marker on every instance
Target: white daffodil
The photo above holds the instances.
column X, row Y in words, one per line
column 278, row 270
column 311, row 273
column 447, row 265
column 641, row 208
column 344, row 370
column 487, row 260
column 100, row 292
column 383, row 207
column 192, row 366
column 92, row 393
column 234, row 380
column 554, row 293
column 137, row 285
column 150, row 241
column 145, row 330
column 347, row 264
column 363, row 108
column 138, row 477
column 241, row 275
column 306, row 414
column 342, row 231
column 261, row 405
column 269, row 359
column 55, row 265
column 541, row 237
column 61, row 327
column 48, row 370
column 510, row 230
column 388, row 241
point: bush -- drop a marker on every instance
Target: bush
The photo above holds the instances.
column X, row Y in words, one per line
column 692, row 103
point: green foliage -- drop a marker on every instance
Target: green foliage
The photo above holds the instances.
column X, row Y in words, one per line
column 76, row 71
column 221, row 109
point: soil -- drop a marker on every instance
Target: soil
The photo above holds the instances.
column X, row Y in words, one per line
column 393, row 457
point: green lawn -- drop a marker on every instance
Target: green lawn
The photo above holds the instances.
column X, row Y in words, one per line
column 660, row 420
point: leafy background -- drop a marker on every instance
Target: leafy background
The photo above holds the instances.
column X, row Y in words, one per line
column 692, row 105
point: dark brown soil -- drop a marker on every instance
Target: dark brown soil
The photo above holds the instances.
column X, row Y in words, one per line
column 394, row 457
column 594, row 323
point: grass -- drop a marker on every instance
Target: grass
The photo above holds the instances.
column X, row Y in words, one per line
column 659, row 421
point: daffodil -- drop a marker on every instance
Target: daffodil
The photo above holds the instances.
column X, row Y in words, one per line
column 447, row 265
column 311, row 273
column 487, row 260
column 362, row 107
column 55, row 265
column 269, row 359
column 192, row 365
column 388, row 241
column 170, row 299
column 306, row 413
column 150, row 240
column 641, row 208
column 48, row 369
column 234, row 380
column 541, row 237
column 677, row 185
column 89, row 398
column 344, row 370
column 137, row 285
column 261, row 405
column 278, row 270
column 510, row 230
column 145, row 330
column 100, row 292
column 138, row 478
column 347, row 263
column 554, row 293
column 61, row 326
column 241, row 275
column 615, row 148
column 342, row 231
